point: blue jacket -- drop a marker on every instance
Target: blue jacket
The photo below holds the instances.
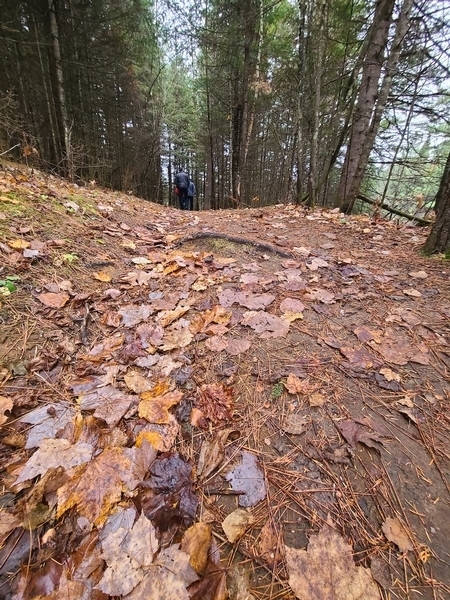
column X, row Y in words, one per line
column 191, row 189
column 182, row 180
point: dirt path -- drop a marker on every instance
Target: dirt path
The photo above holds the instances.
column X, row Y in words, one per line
column 290, row 364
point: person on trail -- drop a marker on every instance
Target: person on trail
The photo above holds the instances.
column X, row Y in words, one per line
column 182, row 182
column 191, row 193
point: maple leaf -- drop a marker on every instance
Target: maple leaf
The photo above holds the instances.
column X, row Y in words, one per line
column 55, row 453
column 46, row 422
column 326, row 570
column 156, row 408
column 108, row 403
column 132, row 315
column 354, row 433
column 97, row 486
column 268, row 325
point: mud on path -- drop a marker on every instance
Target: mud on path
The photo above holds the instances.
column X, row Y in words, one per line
column 306, row 358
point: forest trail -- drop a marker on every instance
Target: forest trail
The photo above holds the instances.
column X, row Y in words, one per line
column 249, row 415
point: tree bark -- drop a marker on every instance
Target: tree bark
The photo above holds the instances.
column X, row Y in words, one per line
column 439, row 238
column 365, row 106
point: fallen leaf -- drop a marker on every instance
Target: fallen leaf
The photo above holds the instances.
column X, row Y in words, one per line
column 8, row 522
column 99, row 484
column 108, row 403
column 412, row 293
column 418, row 274
column 316, row 399
column 19, row 244
column 396, row 533
column 295, row 385
column 248, row 477
column 216, row 343
column 132, row 315
column 268, row 325
column 360, row 357
column 215, row 401
column 6, row 404
column 390, row 375
column 156, row 408
column 55, row 453
column 354, row 433
column 326, row 570
column 53, row 300
column 46, row 422
column 102, row 276
column 268, row 544
column 167, row 579
column 196, row 542
column 160, row 436
column 103, row 351
column 292, row 305
column 321, row 295
column 128, row 554
column 239, row 583
column 137, row 382
column 212, row 453
column 316, row 263
column 294, row 423
column 218, row 315
column 236, row 524
column 166, row 317
column 237, row 346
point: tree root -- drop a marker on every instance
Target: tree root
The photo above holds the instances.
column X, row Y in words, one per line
column 235, row 240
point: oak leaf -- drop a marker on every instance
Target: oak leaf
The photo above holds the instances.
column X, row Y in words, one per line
column 396, row 533
column 215, row 401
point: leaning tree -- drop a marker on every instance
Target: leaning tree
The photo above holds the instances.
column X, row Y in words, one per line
column 439, row 238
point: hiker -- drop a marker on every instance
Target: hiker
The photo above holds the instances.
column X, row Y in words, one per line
column 182, row 182
column 191, row 193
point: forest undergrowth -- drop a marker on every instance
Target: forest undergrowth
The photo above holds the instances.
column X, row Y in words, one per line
column 249, row 403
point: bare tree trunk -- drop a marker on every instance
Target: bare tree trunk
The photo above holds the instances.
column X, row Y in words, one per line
column 439, row 238
column 365, row 106
column 60, row 87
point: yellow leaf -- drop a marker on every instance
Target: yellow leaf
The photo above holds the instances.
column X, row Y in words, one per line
column 156, row 410
column 152, row 437
column 102, row 276
column 196, row 542
column 19, row 244
column 6, row 199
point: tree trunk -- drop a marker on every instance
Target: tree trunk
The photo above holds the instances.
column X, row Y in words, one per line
column 60, row 87
column 365, row 106
column 439, row 238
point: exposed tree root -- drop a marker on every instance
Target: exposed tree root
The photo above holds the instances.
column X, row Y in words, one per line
column 235, row 240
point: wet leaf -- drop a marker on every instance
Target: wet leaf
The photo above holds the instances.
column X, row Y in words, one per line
column 108, row 403
column 268, row 544
column 8, row 522
column 97, row 486
column 326, row 570
column 103, row 351
column 248, row 477
column 354, row 433
column 212, row 453
column 46, row 422
column 236, row 524
column 127, row 553
column 360, row 357
column 396, row 533
column 215, row 401
column 6, row 404
column 167, row 578
column 294, row 423
column 55, row 453
column 156, row 408
column 54, row 300
column 160, row 436
column 196, row 543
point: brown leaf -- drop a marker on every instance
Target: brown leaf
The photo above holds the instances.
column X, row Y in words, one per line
column 238, row 346
column 218, row 315
column 294, row 423
column 127, row 553
column 132, row 315
column 295, row 385
column 47, row 421
column 215, row 401
column 268, row 544
column 216, row 343
column 166, row 317
column 137, row 382
column 102, row 276
column 354, row 433
column 196, row 542
column 5, row 404
column 53, row 454
column 326, row 570
column 108, row 403
column 292, row 305
column 160, row 436
column 248, row 477
column 167, row 579
column 54, row 300
column 268, row 325
column 396, row 533
column 156, row 408
column 360, row 357
column 8, row 522
column 103, row 351
column 212, row 453
column 236, row 524
column 97, row 486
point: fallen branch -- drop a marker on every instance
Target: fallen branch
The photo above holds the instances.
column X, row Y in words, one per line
column 235, row 240
column 419, row 220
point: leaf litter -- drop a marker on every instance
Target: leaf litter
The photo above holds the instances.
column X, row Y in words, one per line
column 175, row 364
